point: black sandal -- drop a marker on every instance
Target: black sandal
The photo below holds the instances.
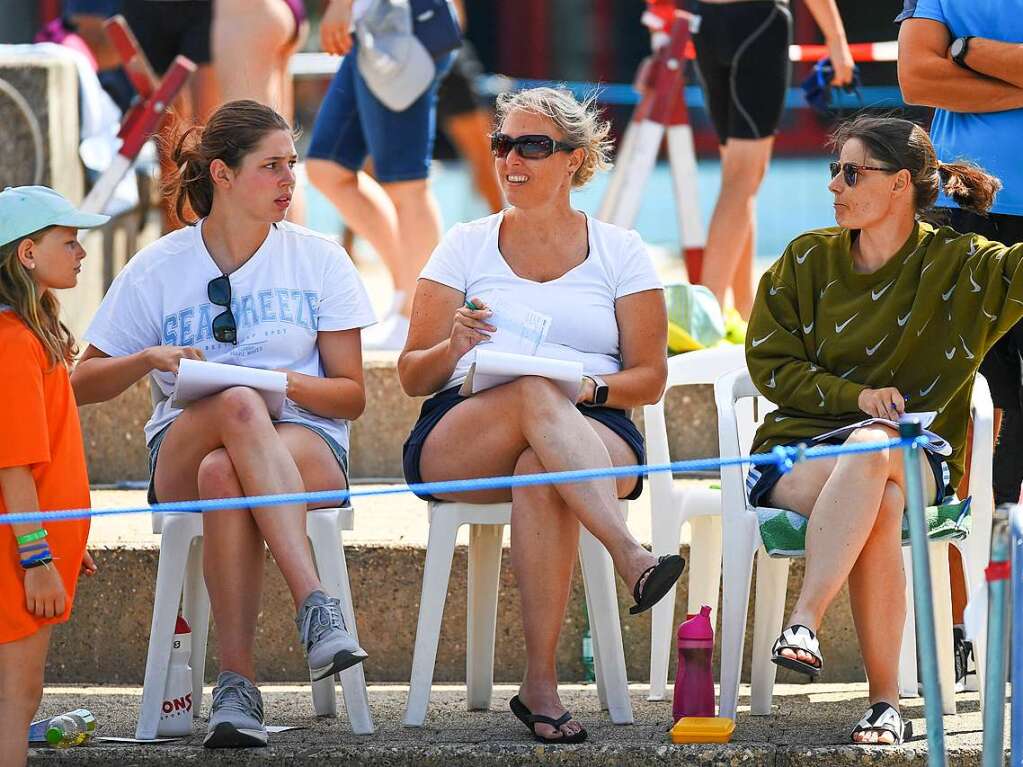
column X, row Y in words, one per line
column 883, row 717
column 531, row 720
column 798, row 638
column 655, row 582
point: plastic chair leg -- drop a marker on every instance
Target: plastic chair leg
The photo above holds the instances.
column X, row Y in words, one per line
column 609, row 654
column 772, row 584
column 666, row 536
column 598, row 674
column 737, row 564
column 195, row 609
column 704, row 563
column 170, row 578
column 481, row 614
column 941, row 590
column 440, row 549
column 908, row 679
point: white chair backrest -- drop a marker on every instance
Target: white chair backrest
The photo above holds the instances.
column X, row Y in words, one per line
column 741, row 409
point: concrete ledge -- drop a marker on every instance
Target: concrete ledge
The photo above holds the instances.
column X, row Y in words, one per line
column 116, row 450
column 107, row 638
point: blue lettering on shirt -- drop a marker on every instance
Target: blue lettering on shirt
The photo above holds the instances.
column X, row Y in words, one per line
column 284, row 305
column 296, row 301
column 248, row 318
column 192, row 325
column 170, row 330
column 185, row 319
column 203, row 325
column 266, row 310
column 312, row 299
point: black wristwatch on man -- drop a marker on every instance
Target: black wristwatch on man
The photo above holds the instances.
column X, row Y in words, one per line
column 600, row 392
column 958, row 50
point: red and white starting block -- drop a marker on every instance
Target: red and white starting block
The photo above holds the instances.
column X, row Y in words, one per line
column 145, row 116
column 661, row 114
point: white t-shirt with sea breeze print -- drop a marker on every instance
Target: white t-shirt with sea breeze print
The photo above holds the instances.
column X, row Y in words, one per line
column 297, row 282
column 581, row 302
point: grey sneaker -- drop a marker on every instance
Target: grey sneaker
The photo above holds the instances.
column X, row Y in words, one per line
column 236, row 719
column 328, row 644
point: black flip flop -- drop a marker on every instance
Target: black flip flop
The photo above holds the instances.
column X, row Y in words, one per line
column 656, row 581
column 530, row 719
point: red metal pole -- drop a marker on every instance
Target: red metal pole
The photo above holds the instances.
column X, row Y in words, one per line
column 48, row 11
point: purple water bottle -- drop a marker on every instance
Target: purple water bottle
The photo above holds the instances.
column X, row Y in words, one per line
column 694, row 680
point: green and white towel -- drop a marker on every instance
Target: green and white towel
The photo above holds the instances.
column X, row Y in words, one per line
column 784, row 532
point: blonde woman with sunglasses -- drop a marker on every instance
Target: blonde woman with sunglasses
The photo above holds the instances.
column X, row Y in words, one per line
column 878, row 316
column 598, row 285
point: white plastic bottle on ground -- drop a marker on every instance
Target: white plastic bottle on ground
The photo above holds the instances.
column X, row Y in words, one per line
column 71, row 729
column 176, row 710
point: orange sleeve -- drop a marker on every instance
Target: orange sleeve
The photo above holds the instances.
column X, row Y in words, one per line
column 24, row 433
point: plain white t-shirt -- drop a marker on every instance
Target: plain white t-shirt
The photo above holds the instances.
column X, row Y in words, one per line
column 581, row 302
column 297, row 282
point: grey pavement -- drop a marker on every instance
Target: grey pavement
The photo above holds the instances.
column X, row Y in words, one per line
column 809, row 726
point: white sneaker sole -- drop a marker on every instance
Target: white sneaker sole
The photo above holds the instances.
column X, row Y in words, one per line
column 342, row 660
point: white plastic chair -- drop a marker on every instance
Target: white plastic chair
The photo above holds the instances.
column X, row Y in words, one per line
column 738, row 418
column 179, row 580
column 486, row 528
column 673, row 504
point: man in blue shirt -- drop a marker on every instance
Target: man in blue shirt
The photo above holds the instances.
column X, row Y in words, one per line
column 965, row 59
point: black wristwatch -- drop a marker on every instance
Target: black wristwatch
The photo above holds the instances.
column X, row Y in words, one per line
column 958, row 50
column 600, row 392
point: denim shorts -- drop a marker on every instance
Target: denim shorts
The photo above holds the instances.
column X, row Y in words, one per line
column 352, row 123
column 154, row 451
column 760, row 480
column 435, row 408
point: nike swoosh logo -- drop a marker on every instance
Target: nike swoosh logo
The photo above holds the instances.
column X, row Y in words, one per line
column 807, row 329
column 847, row 372
column 925, row 392
column 821, row 404
column 876, row 294
column 903, row 320
column 975, row 288
column 821, row 346
column 821, row 294
column 871, row 349
column 950, row 353
column 915, row 251
column 775, row 289
column 921, row 330
column 1016, row 300
column 771, row 384
column 945, row 296
column 781, row 418
column 988, row 315
column 950, row 239
column 757, row 341
column 813, row 368
column 808, row 252
column 1008, row 280
column 840, row 328
column 969, row 354
column 929, row 265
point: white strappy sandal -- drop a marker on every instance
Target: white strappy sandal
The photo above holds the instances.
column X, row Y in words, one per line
column 883, row 717
column 797, row 637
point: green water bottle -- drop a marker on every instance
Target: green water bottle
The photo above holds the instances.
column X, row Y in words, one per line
column 71, row 729
column 587, row 656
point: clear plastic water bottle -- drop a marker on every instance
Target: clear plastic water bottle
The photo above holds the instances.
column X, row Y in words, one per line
column 694, row 678
column 71, row 729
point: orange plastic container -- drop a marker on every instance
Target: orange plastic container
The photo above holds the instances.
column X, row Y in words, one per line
column 703, row 729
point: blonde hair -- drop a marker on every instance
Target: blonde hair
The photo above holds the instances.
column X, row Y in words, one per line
column 578, row 121
column 41, row 312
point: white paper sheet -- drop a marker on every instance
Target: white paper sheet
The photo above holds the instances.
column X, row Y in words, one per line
column 198, row 379
column 520, row 329
column 493, row 368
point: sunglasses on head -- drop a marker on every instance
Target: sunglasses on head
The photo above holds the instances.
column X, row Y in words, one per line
column 531, row 147
column 850, row 170
column 225, row 329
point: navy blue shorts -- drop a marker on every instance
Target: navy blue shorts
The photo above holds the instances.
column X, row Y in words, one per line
column 435, row 408
column 352, row 123
column 760, row 480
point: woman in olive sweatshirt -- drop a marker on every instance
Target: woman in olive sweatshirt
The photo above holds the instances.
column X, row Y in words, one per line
column 880, row 314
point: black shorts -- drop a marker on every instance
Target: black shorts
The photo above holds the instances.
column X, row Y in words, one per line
column 1002, row 366
column 167, row 28
column 760, row 480
column 742, row 51
column 435, row 408
column 457, row 94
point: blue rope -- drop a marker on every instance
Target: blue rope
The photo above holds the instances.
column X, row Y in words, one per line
column 783, row 457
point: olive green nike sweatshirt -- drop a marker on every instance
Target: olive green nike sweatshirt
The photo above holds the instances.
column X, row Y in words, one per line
column 821, row 332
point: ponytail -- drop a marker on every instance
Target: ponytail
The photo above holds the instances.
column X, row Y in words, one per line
column 968, row 186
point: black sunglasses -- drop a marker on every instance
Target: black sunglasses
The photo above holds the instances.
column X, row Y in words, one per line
column 850, row 170
column 531, row 147
column 225, row 329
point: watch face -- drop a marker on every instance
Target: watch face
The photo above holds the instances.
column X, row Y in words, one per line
column 957, row 47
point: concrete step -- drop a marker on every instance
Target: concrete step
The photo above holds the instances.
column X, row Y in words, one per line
column 116, row 450
column 106, row 640
column 809, row 727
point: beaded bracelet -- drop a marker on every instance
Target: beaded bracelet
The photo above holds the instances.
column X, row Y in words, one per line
column 35, row 535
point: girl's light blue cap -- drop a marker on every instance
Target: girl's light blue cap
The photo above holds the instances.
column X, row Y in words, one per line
column 27, row 209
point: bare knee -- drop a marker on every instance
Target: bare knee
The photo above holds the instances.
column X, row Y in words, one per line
column 536, row 395
column 20, row 697
column 533, row 497
column 217, row 477
column 240, row 406
column 404, row 192
column 874, row 462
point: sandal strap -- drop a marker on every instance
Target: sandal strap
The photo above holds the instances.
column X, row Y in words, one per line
column 798, row 637
column 882, row 717
column 637, row 590
column 549, row 720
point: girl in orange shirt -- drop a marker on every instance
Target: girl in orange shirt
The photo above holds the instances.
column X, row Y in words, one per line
column 42, row 461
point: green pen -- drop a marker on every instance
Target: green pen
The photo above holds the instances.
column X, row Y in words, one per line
column 470, row 305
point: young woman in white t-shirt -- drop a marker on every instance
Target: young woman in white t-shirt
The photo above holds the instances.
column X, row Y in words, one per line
column 242, row 286
column 599, row 287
